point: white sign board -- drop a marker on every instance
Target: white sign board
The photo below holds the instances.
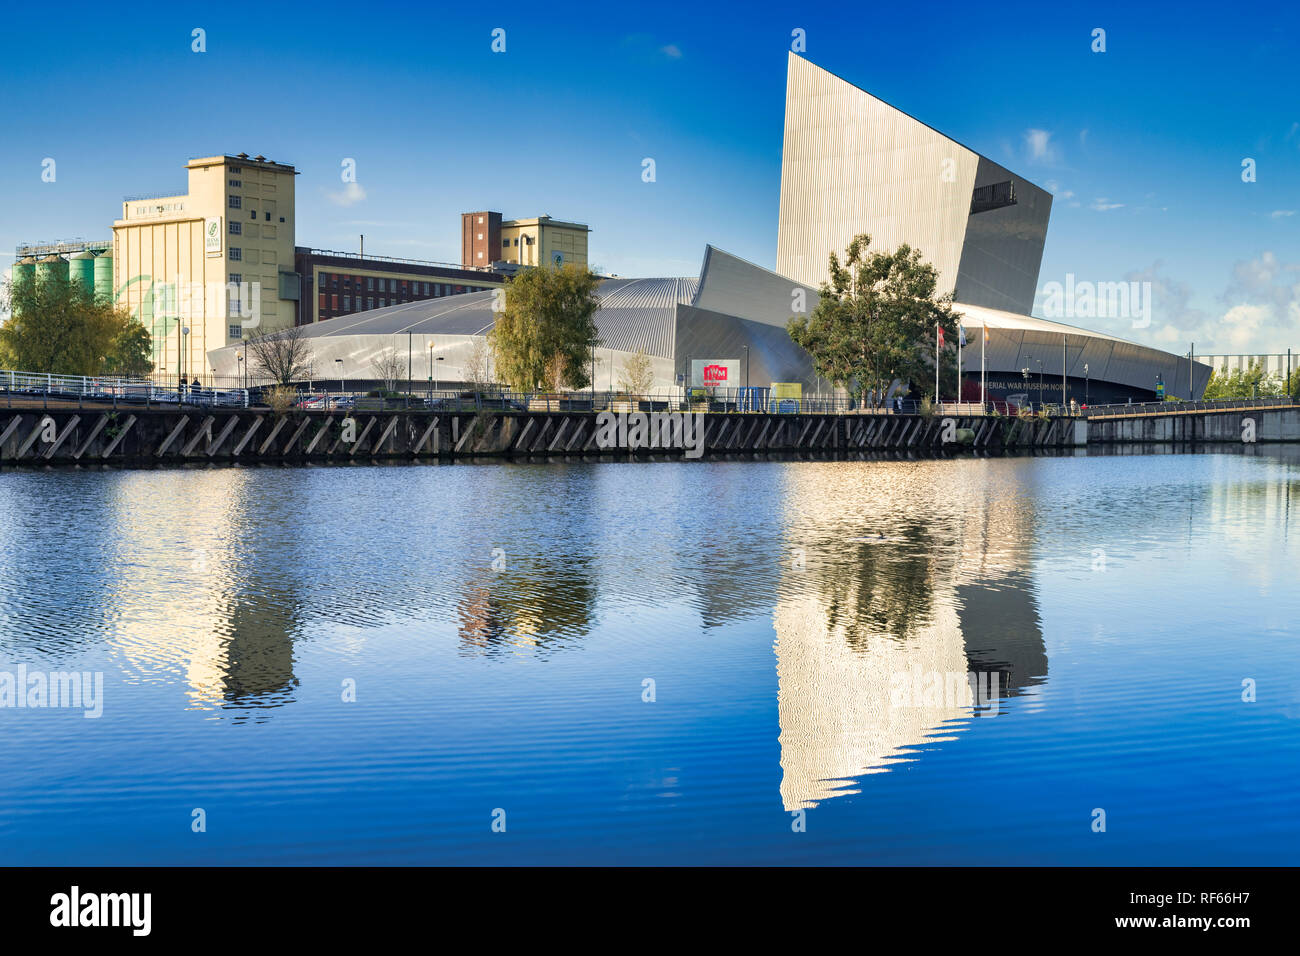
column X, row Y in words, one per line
column 212, row 236
column 715, row 373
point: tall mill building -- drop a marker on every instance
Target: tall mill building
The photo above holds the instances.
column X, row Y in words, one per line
column 211, row 266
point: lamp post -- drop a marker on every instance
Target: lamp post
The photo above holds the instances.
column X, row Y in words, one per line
column 1025, row 374
column 339, row 363
column 1085, row 383
column 431, row 371
column 746, row 348
column 180, row 366
column 435, row 380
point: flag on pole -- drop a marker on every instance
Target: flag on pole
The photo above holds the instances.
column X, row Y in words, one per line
column 961, row 334
column 940, row 328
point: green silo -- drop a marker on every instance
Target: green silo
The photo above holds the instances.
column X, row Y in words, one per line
column 24, row 270
column 81, row 269
column 104, row 276
column 51, row 267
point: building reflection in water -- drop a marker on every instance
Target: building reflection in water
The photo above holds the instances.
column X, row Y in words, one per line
column 223, row 609
column 901, row 577
column 520, row 607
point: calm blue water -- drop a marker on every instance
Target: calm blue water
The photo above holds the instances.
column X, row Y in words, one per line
column 1121, row 601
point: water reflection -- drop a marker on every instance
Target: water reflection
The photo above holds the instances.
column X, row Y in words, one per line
column 206, row 588
column 903, row 578
column 500, row 612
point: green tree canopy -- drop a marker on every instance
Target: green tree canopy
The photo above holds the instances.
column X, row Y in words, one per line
column 875, row 321
column 1246, row 383
column 60, row 327
column 544, row 335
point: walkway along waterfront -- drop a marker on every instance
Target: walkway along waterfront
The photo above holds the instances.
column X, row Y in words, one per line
column 181, row 435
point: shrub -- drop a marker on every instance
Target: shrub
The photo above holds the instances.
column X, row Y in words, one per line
column 281, row 398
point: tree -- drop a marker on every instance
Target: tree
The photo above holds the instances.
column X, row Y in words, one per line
column 875, row 321
column 544, row 336
column 58, row 326
column 131, row 354
column 637, row 374
column 478, row 364
column 1244, row 383
column 283, row 357
column 389, row 367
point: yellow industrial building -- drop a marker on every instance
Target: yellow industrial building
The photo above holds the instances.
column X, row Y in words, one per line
column 543, row 241
column 207, row 268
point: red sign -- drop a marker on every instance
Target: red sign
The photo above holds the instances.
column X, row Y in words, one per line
column 715, row 374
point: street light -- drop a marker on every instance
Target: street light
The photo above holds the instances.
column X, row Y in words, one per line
column 1030, row 358
column 339, row 363
column 1085, row 383
column 180, row 368
column 746, row 348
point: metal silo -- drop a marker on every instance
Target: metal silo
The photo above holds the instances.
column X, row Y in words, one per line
column 81, row 269
column 104, row 276
column 24, row 270
column 51, row 267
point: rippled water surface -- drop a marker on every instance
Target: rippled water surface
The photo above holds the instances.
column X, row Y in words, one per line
column 658, row 662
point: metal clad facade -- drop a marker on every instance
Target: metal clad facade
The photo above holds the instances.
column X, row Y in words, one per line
column 850, row 164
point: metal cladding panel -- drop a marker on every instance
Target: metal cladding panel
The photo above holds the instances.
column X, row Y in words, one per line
column 773, row 357
column 1019, row 341
column 1003, row 248
column 639, row 313
column 465, row 314
column 733, row 286
column 850, row 164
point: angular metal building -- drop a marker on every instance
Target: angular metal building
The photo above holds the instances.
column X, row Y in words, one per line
column 851, row 163
column 734, row 310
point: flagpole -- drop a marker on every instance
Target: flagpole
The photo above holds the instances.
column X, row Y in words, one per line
column 936, row 363
column 983, row 342
column 961, row 332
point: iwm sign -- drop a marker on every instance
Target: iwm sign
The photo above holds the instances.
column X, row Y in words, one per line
column 715, row 373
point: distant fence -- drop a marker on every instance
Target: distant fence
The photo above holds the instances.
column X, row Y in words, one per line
column 28, row 387
column 1183, row 408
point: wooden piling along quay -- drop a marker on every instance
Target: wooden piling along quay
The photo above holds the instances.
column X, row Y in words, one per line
column 143, row 437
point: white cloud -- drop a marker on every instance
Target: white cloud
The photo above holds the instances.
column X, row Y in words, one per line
column 1054, row 188
column 1038, row 143
column 1281, row 213
column 1257, row 313
column 1105, row 205
column 352, row 193
column 672, row 51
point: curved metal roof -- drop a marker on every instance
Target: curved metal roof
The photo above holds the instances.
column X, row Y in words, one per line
column 633, row 314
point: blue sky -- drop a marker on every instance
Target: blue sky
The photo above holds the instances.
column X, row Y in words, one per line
column 1142, row 144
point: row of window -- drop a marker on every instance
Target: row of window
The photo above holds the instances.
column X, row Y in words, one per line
column 329, row 302
column 236, row 202
column 399, row 286
column 236, row 254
